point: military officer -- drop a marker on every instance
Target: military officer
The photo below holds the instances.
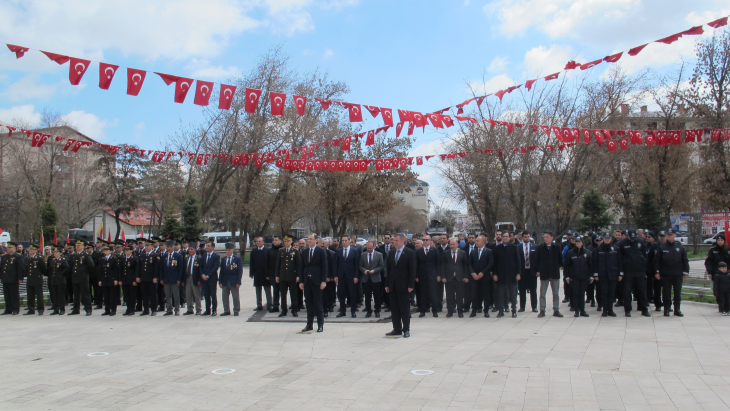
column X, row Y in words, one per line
column 81, row 265
column 147, row 278
column 107, row 274
column 35, row 269
column 288, row 267
column 128, row 265
column 13, row 272
column 57, row 269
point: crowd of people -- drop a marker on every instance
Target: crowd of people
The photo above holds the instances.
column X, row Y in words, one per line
column 470, row 275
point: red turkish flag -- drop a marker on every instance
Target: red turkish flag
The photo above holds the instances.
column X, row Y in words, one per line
column 317, row 165
column 403, row 163
column 571, row 65
column 70, row 142
column 599, row 137
column 675, row 137
column 436, row 120
column 287, row 164
column 611, row 145
column 500, row 94
column 202, row 92
column 553, row 76
column 636, row 50
column 387, row 116
column 19, row 52
column 355, row 165
column 586, row 135
column 58, row 58
column 348, row 165
column 340, row 165
column 226, row 96
column 355, row 112
column 333, row 165
column 669, row 39
column 106, row 75
column 635, row 137
column 39, row 139
column 419, row 161
column 558, row 133
column 529, row 83
column 694, row 31
column 448, row 122
column 301, row 104
column 324, row 102
column 576, row 134
column 182, row 85
column 398, row 129
column 405, row 115
column 718, row 23
column 374, row 111
column 591, row 64
column 624, row 143
column 608, row 134
column 135, row 79
column 411, row 126
column 310, row 165
column 546, row 129
column 346, row 143
column 325, row 165
column 364, row 165
column 371, row 138
column 379, row 165
column 76, row 70
column 613, row 58
column 650, row 140
column 278, row 101
column 252, row 99
column 245, row 158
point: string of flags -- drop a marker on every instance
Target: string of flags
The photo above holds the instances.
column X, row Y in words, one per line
column 204, row 89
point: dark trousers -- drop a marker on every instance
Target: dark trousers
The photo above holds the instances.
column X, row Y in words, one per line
column 635, row 282
column 138, row 298
column 149, row 296
column 455, row 295
column 481, row 293
column 591, row 292
column 300, row 297
column 468, row 293
column 567, row 293
column 130, row 297
column 672, row 283
column 161, row 296
column 619, row 293
column 528, row 282
column 346, row 288
column 81, row 296
column 723, row 301
column 579, row 287
column 507, row 293
column 95, row 291
column 291, row 287
column 274, row 292
column 58, row 296
column 383, row 295
column 329, row 296
column 658, row 295
column 69, row 290
column 261, row 292
column 607, row 296
column 422, row 293
column 314, row 303
column 11, row 292
column 400, row 309
column 436, row 294
column 35, row 297
column 372, row 292
column 110, row 298
column 599, row 285
column 210, row 293
column 649, row 288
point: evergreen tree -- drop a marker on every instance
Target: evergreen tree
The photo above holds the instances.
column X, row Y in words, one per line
column 595, row 212
column 648, row 213
column 190, row 218
column 49, row 219
column 170, row 227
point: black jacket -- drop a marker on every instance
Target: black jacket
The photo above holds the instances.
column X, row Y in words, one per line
column 715, row 255
column 401, row 275
column 429, row 266
column 506, row 264
column 195, row 261
column 671, row 259
column 127, row 269
column 81, row 267
column 607, row 262
column 549, row 261
column 147, row 266
column 578, row 264
column 259, row 266
column 35, row 270
column 458, row 271
column 482, row 264
column 108, row 271
column 315, row 269
column 723, row 280
column 272, row 255
column 12, row 268
column 57, row 270
column 650, row 249
column 633, row 257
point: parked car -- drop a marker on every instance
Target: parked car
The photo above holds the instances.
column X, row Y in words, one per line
column 713, row 239
column 221, row 238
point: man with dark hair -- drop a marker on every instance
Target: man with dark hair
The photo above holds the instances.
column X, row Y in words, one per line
column 57, row 268
column 209, row 274
column 148, row 274
column 288, row 269
column 506, row 274
column 107, row 274
column 81, row 265
column 633, row 260
column 528, row 282
column 35, row 270
column 13, row 273
column 259, row 272
column 314, row 280
column 455, row 275
column 272, row 256
column 548, row 264
column 171, row 266
column 401, row 269
column 230, row 280
column 481, row 262
column 348, row 260
column 671, row 267
column 128, row 278
column 428, row 276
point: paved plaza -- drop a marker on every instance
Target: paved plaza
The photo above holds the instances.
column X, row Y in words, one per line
column 167, row 363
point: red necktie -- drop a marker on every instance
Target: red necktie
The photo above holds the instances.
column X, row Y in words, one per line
column 454, row 256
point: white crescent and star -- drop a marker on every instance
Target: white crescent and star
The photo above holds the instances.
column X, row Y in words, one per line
column 300, row 101
column 277, row 99
column 228, row 93
column 83, row 67
column 136, row 75
column 206, row 89
column 354, row 108
column 106, row 71
column 253, row 96
column 184, row 83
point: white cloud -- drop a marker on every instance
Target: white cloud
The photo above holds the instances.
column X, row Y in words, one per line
column 657, row 54
column 695, row 19
column 203, row 69
column 20, row 114
column 28, row 88
column 547, row 60
column 498, row 64
column 89, row 124
column 427, row 149
column 495, row 83
column 328, row 54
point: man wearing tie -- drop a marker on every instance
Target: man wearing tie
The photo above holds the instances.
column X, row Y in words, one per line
column 193, row 282
column 506, row 274
column 329, row 294
column 528, row 281
column 371, row 266
column 259, row 272
column 128, row 264
column 107, row 275
column 431, row 288
column 401, row 280
column 481, row 261
column 170, row 277
column 314, row 280
column 455, row 275
column 348, row 261
column 230, row 280
column 148, row 273
column 385, row 250
column 209, row 275
column 468, row 248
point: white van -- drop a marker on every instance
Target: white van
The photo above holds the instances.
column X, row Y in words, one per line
column 5, row 237
column 221, row 238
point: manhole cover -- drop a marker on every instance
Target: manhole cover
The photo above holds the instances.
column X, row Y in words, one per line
column 221, row 371
column 421, row 372
column 98, row 354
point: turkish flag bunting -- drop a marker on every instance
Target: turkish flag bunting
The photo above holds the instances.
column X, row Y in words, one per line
column 252, row 99
column 355, row 112
column 80, row 144
column 571, row 65
column 636, row 50
column 624, row 143
column 39, row 139
column 287, row 164
column 419, row 119
column 325, row 165
column 500, row 94
column 106, row 75
column 611, row 145
column 226, row 97
column 387, row 116
column 317, row 165
column 558, row 133
column 591, row 64
column 386, row 164
column 279, row 162
column 278, row 100
column 533, row 128
column 613, row 58
column 76, row 70
column 202, row 92
column 398, row 129
column 419, row 161
column 301, row 104
column 661, row 138
column 551, row 77
column 546, row 129
column 510, row 128
column 340, row 165
column 135, row 79
column 675, row 137
column 403, row 163
column 650, row 140
column 435, row 120
column 374, row 111
column 324, row 102
column 10, row 130
column 576, row 134
column 206, row 158
column 379, row 165
column 599, row 137
column 669, row 39
column 70, row 142
column 259, row 161
column 245, row 159
column 310, row 165
column 405, row 115
column 18, row 50
column 58, row 58
column 411, row 126
column 346, row 143
column 694, row 31
column 529, row 83
column 331, row 166
column 718, row 23
column 355, row 165
column 473, row 120
column 635, row 137
column 223, row 157
column 371, row 138
column 182, row 85
column 608, row 134
column 447, row 121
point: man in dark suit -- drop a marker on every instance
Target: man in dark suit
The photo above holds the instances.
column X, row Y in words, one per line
column 209, row 275
column 528, row 282
column 329, row 294
column 455, row 275
column 259, row 272
column 471, row 240
column 481, row 261
column 313, row 281
column 171, row 266
column 230, row 280
column 431, row 288
column 348, row 272
column 548, row 263
column 273, row 256
column 385, row 251
column 506, row 274
column 371, row 267
column 401, row 280
column 193, row 283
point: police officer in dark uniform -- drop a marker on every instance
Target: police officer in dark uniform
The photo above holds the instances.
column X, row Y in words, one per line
column 57, row 269
column 81, row 265
column 13, row 272
column 147, row 278
column 607, row 271
column 633, row 260
column 653, row 286
column 35, row 270
column 671, row 267
column 128, row 265
column 138, row 249
column 578, row 273
column 107, row 274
